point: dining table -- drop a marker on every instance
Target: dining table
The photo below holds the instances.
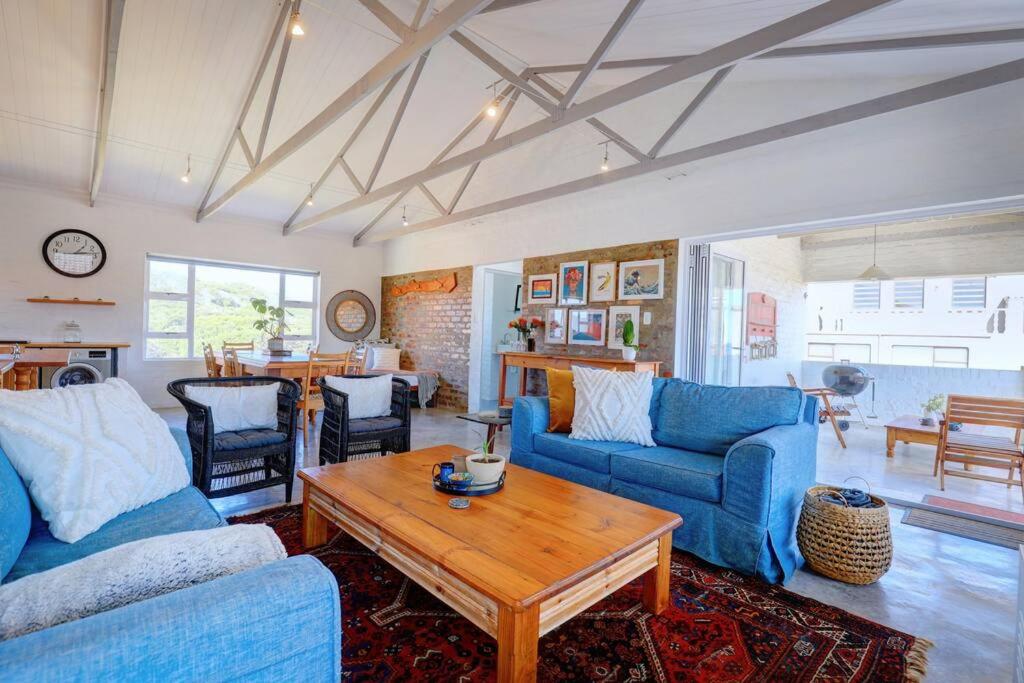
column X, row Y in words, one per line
column 256, row 363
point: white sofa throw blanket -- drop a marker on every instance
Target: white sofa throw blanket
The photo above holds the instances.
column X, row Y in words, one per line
column 612, row 406
column 89, row 453
column 132, row 572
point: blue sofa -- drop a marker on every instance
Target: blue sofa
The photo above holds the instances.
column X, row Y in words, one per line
column 733, row 462
column 277, row 622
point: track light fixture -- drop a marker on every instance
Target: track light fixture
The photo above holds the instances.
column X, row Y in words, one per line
column 296, row 25
column 405, row 221
column 309, row 198
column 188, row 170
column 495, row 105
column 604, row 161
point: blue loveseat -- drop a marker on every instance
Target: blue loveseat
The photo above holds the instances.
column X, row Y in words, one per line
column 277, row 622
column 734, row 462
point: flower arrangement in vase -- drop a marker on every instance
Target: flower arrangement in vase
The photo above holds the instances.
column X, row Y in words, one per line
column 526, row 328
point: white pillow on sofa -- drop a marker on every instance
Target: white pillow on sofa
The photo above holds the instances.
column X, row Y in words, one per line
column 612, row 406
column 89, row 453
column 238, row 408
column 132, row 572
column 386, row 359
column 367, row 396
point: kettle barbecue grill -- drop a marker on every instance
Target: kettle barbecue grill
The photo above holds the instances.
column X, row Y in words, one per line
column 846, row 381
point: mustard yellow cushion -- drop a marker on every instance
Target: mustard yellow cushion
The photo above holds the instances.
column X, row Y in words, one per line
column 562, row 400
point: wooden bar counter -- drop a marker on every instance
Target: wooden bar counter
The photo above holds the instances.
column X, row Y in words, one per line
column 541, row 361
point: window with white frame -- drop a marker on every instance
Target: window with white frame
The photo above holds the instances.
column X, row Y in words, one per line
column 192, row 302
column 851, row 353
column 969, row 293
column 867, row 296
column 908, row 294
column 931, row 356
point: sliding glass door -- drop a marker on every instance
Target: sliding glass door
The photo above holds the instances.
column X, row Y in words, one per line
column 725, row 322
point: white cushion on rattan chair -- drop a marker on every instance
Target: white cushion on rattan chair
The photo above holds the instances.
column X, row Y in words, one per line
column 367, row 396
column 238, row 408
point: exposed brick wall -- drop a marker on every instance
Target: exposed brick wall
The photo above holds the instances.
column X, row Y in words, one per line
column 432, row 330
column 659, row 337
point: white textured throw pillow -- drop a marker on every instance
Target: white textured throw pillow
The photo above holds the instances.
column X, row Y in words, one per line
column 386, row 359
column 238, row 408
column 132, row 572
column 89, row 453
column 612, row 406
column 367, row 396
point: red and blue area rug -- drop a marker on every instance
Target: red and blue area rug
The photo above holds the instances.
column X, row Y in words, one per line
column 720, row 626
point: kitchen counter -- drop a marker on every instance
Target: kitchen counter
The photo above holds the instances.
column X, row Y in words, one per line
column 26, row 372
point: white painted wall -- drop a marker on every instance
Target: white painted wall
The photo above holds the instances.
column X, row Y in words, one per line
column 901, row 389
column 772, row 266
column 129, row 230
column 963, row 149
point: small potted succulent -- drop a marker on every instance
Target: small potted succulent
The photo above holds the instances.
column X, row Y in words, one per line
column 629, row 345
column 486, row 467
column 931, row 408
column 271, row 323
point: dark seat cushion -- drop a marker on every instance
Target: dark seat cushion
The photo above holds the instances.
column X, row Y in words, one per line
column 373, row 424
column 591, row 455
column 185, row 510
column 709, row 419
column 248, row 438
column 684, row 473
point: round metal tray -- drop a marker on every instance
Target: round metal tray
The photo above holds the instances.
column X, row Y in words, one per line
column 472, row 489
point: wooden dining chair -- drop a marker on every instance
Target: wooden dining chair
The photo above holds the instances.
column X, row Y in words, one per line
column 318, row 365
column 996, row 451
column 240, row 346
column 212, row 369
column 827, row 411
column 356, row 363
column 232, row 366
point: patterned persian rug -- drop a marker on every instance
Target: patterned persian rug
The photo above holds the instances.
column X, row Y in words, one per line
column 720, row 626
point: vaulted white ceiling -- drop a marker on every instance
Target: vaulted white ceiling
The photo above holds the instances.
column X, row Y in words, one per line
column 184, row 67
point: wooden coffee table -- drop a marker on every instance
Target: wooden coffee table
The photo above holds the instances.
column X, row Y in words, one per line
column 909, row 429
column 517, row 563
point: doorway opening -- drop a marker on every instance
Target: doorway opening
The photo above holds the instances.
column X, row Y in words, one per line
column 497, row 299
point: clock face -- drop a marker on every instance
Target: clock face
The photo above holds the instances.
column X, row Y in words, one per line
column 74, row 253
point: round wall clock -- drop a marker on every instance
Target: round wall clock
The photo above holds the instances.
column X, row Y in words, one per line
column 74, row 253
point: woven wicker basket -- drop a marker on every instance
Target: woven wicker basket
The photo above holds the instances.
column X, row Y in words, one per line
column 845, row 543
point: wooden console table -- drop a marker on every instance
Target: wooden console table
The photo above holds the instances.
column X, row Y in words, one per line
column 541, row 361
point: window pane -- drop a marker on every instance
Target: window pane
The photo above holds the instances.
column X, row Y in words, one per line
column 166, row 348
column 300, row 322
column 969, row 293
column 170, row 278
column 223, row 311
column 819, row 351
column 299, row 288
column 866, row 296
column 908, row 294
column 854, row 353
column 951, row 357
column 297, row 345
column 168, row 316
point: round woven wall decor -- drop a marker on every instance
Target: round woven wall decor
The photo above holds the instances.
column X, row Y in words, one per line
column 350, row 315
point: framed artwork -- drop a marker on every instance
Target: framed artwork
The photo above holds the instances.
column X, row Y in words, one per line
column 572, row 283
column 602, row 282
column 642, row 279
column 555, row 325
column 586, row 326
column 617, row 317
column 541, row 289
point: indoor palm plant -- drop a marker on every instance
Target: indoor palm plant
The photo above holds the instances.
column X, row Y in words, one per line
column 271, row 323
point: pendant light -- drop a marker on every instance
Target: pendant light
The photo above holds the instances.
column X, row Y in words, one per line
column 188, row 170
column 494, row 106
column 874, row 272
column 405, row 221
column 604, row 162
column 309, row 198
column 296, row 25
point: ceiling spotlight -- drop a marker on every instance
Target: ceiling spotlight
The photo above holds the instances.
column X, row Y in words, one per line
column 604, row 162
column 297, row 29
column 495, row 105
column 309, row 198
column 188, row 170
column 405, row 221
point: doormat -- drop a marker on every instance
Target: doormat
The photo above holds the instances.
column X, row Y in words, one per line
column 974, row 509
column 965, row 528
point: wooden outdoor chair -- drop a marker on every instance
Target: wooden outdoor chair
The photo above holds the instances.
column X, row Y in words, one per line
column 232, row 366
column 995, row 451
column 212, row 369
column 827, row 411
column 318, row 365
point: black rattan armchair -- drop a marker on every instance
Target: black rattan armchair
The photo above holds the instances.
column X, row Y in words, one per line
column 235, row 462
column 341, row 438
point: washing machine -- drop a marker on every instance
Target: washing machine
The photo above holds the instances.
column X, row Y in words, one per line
column 85, row 366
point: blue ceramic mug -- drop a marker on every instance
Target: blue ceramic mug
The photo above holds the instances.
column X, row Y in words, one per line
column 442, row 471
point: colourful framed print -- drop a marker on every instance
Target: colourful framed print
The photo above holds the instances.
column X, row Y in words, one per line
column 555, row 325
column 617, row 317
column 642, row 279
column 541, row 289
column 573, row 283
column 602, row 282
column 586, row 326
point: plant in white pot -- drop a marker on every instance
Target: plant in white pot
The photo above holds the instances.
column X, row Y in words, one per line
column 629, row 345
column 931, row 409
column 271, row 323
column 486, row 467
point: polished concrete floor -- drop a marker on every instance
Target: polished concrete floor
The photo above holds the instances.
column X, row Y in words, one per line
column 958, row 593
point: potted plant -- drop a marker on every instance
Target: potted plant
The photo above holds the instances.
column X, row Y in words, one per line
column 629, row 345
column 486, row 467
column 271, row 323
column 930, row 408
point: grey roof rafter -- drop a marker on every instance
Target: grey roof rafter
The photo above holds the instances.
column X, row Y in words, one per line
column 113, row 18
column 602, row 49
column 690, row 109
